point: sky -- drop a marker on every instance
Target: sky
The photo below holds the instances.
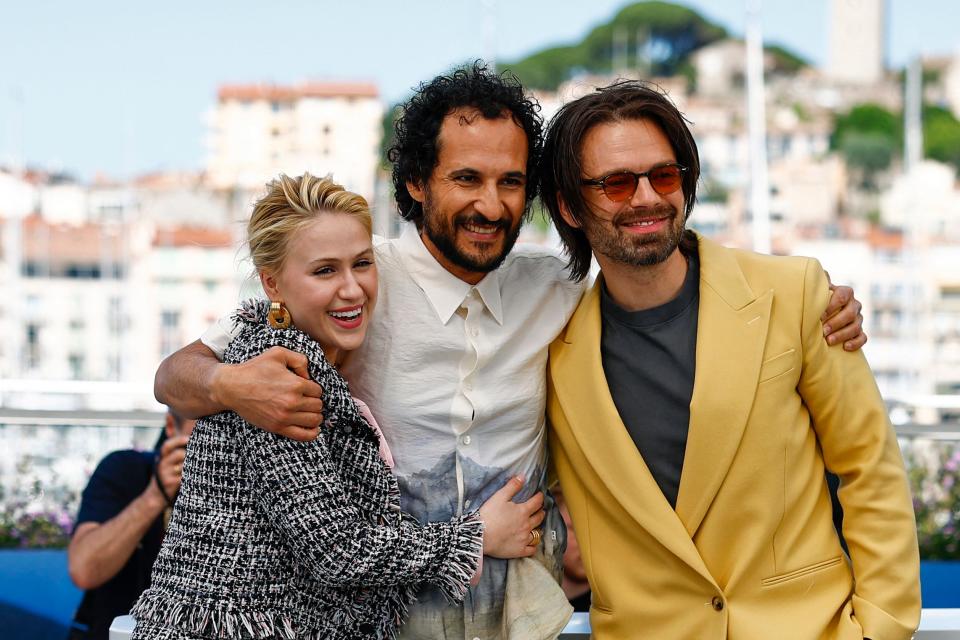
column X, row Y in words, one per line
column 122, row 88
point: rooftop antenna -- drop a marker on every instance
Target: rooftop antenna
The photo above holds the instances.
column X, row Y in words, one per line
column 757, row 126
column 644, row 66
column 489, row 31
column 912, row 118
column 620, row 51
column 13, row 246
column 917, row 380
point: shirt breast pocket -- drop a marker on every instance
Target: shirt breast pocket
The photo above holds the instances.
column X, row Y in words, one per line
column 777, row 366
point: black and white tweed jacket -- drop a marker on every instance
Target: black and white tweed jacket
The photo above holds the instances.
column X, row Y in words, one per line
column 273, row 538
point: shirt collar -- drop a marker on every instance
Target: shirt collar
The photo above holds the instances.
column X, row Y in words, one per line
column 445, row 291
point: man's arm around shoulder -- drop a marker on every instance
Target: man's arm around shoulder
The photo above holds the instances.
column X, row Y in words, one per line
column 272, row 391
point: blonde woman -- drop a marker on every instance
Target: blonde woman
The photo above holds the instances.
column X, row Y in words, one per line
column 274, row 538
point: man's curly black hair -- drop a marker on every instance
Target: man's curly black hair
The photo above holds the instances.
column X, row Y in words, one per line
column 414, row 151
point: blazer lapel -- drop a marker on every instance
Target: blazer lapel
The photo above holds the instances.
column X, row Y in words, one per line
column 731, row 332
column 595, row 424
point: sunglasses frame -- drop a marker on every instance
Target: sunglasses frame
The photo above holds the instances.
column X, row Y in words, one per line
column 601, row 182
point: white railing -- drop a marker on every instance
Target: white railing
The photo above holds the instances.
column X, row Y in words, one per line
column 935, row 624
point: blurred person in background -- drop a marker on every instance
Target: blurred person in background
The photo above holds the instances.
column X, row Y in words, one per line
column 575, row 584
column 123, row 515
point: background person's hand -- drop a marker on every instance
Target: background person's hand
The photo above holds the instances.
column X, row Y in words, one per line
column 842, row 320
column 507, row 525
column 169, row 471
column 273, row 391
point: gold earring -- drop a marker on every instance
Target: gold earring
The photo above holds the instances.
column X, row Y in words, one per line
column 278, row 316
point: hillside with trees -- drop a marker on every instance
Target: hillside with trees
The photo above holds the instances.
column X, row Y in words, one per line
column 654, row 37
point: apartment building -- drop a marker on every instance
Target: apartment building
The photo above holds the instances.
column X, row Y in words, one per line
column 258, row 131
column 104, row 284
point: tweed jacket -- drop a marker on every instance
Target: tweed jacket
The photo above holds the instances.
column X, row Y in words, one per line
column 273, row 538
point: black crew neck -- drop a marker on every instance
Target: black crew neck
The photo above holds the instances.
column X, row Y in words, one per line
column 659, row 314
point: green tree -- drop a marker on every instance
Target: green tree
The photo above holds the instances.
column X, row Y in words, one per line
column 659, row 35
column 941, row 135
column 868, row 136
column 867, row 118
column 868, row 154
column 659, row 38
column 785, row 60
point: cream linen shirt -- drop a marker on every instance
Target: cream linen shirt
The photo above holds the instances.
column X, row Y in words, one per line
column 456, row 376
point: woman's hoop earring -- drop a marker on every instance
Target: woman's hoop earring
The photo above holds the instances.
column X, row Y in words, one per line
column 278, row 317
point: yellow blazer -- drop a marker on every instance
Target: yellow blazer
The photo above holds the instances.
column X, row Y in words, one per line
column 750, row 551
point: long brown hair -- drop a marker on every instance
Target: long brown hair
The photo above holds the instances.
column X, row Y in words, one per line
column 562, row 172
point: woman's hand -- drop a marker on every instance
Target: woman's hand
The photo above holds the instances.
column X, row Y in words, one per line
column 508, row 525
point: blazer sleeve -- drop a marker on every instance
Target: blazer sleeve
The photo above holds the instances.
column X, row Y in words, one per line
column 860, row 446
column 302, row 495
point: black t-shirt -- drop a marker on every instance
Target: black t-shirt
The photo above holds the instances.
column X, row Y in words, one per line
column 117, row 481
column 649, row 359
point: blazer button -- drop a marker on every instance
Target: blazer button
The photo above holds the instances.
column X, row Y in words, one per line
column 717, row 603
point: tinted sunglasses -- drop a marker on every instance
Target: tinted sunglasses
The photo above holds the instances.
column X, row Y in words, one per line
column 621, row 185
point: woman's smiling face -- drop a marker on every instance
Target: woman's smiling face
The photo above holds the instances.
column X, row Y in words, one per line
column 328, row 281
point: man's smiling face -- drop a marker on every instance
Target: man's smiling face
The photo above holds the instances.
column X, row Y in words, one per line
column 473, row 202
column 644, row 229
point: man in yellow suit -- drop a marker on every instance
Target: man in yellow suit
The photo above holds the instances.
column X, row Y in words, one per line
column 696, row 407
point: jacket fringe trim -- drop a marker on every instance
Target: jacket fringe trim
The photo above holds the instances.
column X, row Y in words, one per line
column 218, row 621
column 461, row 564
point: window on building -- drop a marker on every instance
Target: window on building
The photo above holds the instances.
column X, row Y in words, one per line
column 115, row 318
column 170, row 339
column 31, row 353
column 76, row 361
column 32, row 308
column 80, row 271
column 114, row 366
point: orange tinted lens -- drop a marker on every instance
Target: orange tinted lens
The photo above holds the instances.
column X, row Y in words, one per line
column 665, row 180
column 619, row 186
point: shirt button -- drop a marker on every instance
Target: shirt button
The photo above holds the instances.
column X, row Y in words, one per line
column 466, row 504
column 717, row 603
column 465, row 440
column 474, row 332
column 468, row 386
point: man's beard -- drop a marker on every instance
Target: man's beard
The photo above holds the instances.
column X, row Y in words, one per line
column 636, row 250
column 442, row 232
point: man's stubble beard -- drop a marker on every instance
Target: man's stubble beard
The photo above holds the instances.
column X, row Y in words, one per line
column 608, row 240
column 442, row 232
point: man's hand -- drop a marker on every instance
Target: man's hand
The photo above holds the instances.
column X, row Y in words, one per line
column 274, row 392
column 842, row 320
column 169, row 470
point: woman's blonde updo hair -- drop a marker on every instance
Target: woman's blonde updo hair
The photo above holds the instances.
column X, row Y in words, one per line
column 288, row 206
